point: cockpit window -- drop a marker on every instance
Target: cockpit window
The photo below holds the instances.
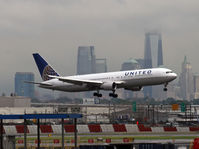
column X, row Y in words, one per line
column 169, row 72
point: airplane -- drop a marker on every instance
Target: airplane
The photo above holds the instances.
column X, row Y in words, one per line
column 132, row 80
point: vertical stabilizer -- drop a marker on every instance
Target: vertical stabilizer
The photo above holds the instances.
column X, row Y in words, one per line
column 44, row 68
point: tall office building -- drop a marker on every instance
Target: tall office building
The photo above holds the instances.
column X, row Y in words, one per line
column 86, row 60
column 24, row 89
column 153, row 50
column 186, row 80
column 196, row 86
column 101, row 65
column 153, row 57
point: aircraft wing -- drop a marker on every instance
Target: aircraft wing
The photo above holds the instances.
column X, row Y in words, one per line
column 78, row 81
column 95, row 83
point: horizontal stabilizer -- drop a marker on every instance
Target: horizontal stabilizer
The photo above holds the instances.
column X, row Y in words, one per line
column 43, row 84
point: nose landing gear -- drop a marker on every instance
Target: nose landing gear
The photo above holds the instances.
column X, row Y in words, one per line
column 165, row 87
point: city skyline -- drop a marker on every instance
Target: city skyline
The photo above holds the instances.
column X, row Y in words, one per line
column 130, row 64
column 56, row 28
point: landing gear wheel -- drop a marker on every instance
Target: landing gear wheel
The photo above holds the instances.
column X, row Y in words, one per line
column 97, row 94
column 113, row 95
column 165, row 89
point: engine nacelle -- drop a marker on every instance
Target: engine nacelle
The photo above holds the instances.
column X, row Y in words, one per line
column 137, row 88
column 108, row 86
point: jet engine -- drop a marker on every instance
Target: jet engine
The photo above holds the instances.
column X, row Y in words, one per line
column 108, row 86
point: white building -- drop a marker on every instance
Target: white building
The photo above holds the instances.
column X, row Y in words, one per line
column 14, row 101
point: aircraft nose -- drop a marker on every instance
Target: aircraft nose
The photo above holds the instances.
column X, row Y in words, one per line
column 174, row 75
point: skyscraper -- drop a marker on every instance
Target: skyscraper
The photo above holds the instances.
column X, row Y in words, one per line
column 153, row 50
column 101, row 65
column 186, row 80
column 86, row 60
column 22, row 88
column 153, row 57
column 196, row 86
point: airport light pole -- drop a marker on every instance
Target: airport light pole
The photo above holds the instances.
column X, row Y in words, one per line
column 62, row 124
column 75, row 132
column 38, row 133
column 25, row 134
column 1, row 135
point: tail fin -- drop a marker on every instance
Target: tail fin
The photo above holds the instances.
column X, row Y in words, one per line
column 44, row 69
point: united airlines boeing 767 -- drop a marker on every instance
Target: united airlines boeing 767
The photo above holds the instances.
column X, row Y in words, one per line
column 132, row 80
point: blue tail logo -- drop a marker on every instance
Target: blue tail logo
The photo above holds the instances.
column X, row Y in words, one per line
column 44, row 68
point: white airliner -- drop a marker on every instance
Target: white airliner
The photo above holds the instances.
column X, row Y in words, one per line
column 132, row 80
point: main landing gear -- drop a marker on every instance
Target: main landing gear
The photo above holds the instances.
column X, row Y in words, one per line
column 113, row 94
column 97, row 94
column 165, row 87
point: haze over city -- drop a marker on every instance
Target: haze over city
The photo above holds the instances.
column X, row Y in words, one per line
column 116, row 28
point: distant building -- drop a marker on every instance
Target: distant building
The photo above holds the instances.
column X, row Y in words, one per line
column 15, row 101
column 86, row 60
column 22, row 88
column 186, row 80
column 173, row 91
column 196, row 86
column 130, row 64
column 101, row 65
column 90, row 101
column 153, row 50
column 140, row 62
column 153, row 57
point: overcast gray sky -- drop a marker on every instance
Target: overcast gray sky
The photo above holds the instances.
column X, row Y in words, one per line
column 55, row 29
